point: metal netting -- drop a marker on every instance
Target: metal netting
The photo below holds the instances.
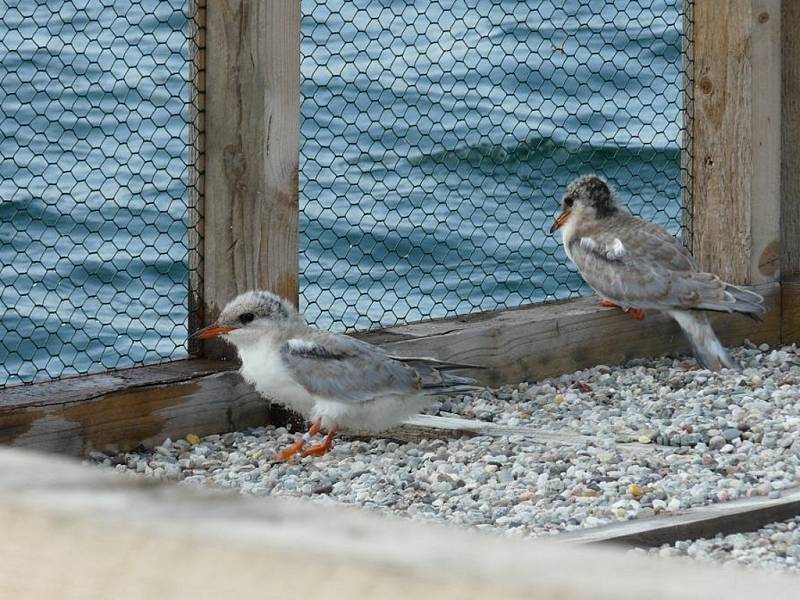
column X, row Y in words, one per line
column 437, row 137
column 97, row 170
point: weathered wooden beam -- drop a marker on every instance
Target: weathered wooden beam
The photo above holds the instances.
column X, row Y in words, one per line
column 122, row 409
column 736, row 171
column 252, row 131
column 125, row 409
column 547, row 340
column 790, row 317
column 197, row 166
column 73, row 531
column 737, row 516
column 790, row 151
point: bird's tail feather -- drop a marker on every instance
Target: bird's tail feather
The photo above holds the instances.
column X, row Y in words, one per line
column 430, row 362
column 737, row 299
column 707, row 348
column 436, row 381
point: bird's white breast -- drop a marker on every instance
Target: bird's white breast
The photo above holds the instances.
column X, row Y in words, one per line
column 263, row 367
column 567, row 232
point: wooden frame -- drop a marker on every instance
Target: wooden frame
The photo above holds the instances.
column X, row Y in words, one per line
column 79, row 532
column 250, row 73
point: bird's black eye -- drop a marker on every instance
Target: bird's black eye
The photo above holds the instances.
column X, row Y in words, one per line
column 246, row 318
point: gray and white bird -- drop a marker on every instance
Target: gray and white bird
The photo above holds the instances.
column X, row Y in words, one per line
column 637, row 265
column 331, row 379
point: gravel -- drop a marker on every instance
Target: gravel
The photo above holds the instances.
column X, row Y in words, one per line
column 775, row 547
column 714, row 437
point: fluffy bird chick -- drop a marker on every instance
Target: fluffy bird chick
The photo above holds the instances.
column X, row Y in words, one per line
column 636, row 265
column 333, row 380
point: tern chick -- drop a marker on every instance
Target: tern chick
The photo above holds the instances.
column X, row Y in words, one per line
column 331, row 379
column 637, row 265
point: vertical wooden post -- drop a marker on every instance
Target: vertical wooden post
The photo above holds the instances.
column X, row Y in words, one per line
column 790, row 180
column 252, row 130
column 687, row 44
column 197, row 179
column 736, row 139
column 790, row 172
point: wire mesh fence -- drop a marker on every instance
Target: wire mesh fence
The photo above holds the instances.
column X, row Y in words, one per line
column 437, row 136
column 97, row 166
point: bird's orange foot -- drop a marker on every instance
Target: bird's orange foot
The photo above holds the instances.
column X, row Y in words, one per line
column 635, row 313
column 289, row 452
column 322, row 448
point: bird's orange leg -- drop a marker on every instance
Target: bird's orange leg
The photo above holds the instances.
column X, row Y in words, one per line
column 289, row 452
column 324, row 447
column 636, row 313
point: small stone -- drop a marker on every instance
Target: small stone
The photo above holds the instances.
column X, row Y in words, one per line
column 635, row 491
column 716, row 442
column 731, row 434
column 605, row 456
column 192, row 438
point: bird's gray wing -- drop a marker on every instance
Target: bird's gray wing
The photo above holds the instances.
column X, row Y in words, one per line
column 341, row 368
column 638, row 264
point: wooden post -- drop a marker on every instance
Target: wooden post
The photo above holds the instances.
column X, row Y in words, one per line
column 197, row 170
column 252, row 112
column 790, row 179
column 736, row 139
column 790, row 172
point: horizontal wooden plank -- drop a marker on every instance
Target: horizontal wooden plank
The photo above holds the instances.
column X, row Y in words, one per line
column 549, row 339
column 74, row 389
column 737, row 516
column 125, row 409
column 136, row 538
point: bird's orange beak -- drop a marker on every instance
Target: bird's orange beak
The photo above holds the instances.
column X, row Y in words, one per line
column 562, row 218
column 211, row 331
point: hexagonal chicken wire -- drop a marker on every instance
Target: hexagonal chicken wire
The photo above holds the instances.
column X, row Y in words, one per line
column 96, row 125
column 437, row 136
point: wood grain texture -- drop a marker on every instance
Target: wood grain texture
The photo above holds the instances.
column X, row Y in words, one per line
column 547, row 340
column 765, row 187
column 790, row 159
column 123, row 409
column 197, row 167
column 747, row 514
column 74, row 531
column 790, row 317
column 252, row 128
column 736, row 139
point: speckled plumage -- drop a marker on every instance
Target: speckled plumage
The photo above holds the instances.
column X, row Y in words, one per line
column 637, row 264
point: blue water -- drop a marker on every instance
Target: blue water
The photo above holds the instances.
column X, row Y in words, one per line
column 93, row 185
column 435, row 140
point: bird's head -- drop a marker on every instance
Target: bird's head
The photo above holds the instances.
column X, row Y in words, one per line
column 249, row 315
column 587, row 197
